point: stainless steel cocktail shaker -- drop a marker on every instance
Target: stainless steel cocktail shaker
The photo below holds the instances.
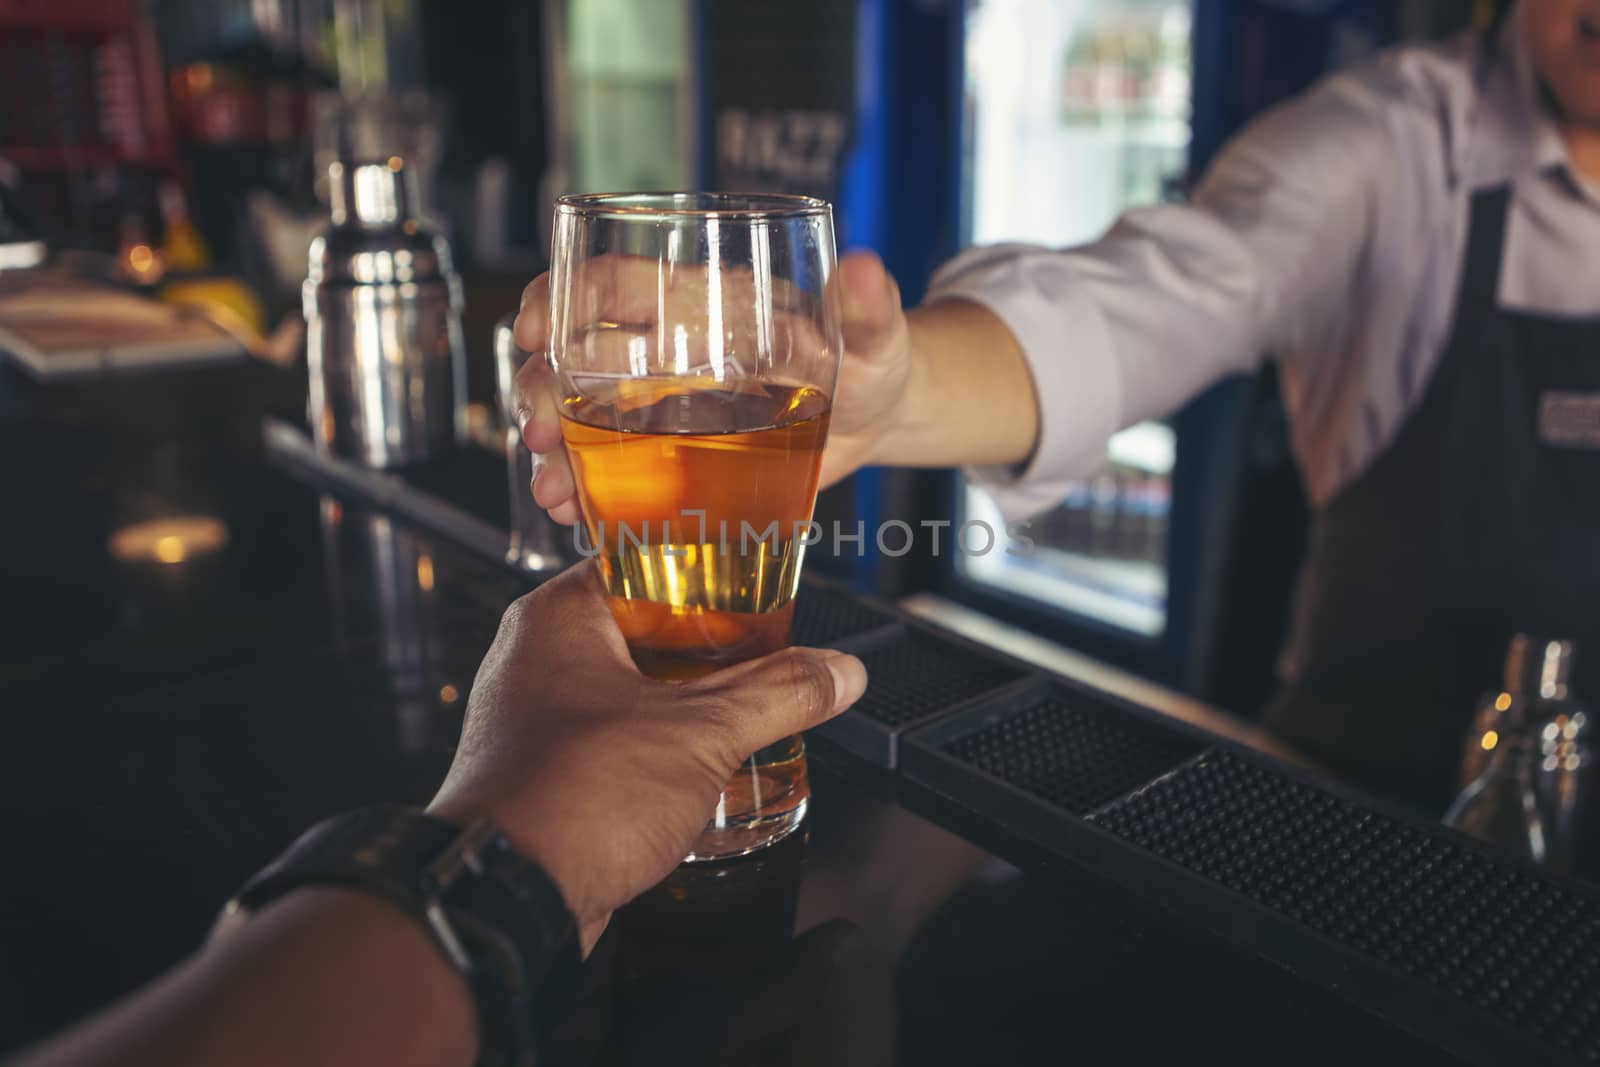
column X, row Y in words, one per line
column 383, row 324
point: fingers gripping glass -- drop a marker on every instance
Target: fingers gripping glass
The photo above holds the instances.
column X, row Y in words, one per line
column 695, row 340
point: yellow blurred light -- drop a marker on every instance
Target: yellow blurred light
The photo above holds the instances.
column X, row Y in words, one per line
column 425, row 572
column 1502, row 702
column 1490, row 739
column 142, row 264
column 226, row 301
column 169, row 540
column 171, row 549
column 449, row 694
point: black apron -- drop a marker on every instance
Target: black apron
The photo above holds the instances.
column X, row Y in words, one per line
column 1480, row 520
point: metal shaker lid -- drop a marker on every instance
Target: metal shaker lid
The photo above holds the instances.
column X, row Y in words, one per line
column 377, row 236
column 376, row 194
column 1539, row 667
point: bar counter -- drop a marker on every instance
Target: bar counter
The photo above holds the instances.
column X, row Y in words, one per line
column 177, row 709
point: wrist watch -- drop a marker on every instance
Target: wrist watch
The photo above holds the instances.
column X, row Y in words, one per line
column 495, row 915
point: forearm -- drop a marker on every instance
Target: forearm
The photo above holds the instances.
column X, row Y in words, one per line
column 970, row 398
column 321, row 977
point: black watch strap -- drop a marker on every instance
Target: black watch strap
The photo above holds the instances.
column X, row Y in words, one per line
column 493, row 913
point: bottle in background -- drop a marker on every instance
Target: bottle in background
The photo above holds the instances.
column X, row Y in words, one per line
column 1501, row 806
column 1526, row 767
column 182, row 247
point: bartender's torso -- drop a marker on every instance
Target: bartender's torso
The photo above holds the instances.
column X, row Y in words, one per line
column 1453, row 122
column 1478, row 520
column 1456, row 469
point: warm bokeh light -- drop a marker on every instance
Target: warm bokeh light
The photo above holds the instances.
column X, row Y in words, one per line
column 1502, row 702
column 169, row 540
column 199, row 77
column 143, row 264
column 1490, row 739
column 425, row 573
column 449, row 694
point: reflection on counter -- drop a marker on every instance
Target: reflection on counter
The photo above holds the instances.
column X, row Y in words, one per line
column 381, row 579
column 707, row 968
column 168, row 540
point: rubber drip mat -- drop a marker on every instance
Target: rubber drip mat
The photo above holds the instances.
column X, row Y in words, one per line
column 1070, row 748
column 1491, row 960
column 1504, row 939
column 827, row 615
column 913, row 678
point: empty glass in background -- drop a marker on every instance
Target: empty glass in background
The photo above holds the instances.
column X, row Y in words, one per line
column 534, row 542
column 695, row 343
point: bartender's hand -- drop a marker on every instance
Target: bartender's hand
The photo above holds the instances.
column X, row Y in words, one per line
column 872, row 379
column 601, row 775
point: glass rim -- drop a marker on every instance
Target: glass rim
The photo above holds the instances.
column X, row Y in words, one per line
column 665, row 205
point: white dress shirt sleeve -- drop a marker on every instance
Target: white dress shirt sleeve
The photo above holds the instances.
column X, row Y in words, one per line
column 1177, row 296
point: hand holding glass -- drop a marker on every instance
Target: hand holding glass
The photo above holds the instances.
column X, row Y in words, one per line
column 695, row 341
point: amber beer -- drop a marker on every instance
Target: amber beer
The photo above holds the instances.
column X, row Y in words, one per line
column 695, row 494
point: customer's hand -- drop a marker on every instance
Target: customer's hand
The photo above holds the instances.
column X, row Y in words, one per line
column 873, row 378
column 603, row 776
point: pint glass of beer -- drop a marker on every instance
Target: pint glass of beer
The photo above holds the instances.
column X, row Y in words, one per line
column 695, row 340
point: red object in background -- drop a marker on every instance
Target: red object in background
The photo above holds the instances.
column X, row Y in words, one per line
column 216, row 103
column 81, row 85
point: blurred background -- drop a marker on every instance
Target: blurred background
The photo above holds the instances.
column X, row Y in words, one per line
column 179, row 151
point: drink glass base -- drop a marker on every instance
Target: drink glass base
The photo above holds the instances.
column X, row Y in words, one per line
column 764, row 802
column 721, row 843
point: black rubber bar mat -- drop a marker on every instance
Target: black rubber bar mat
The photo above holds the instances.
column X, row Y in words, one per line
column 827, row 614
column 1068, row 748
column 1505, row 940
column 1495, row 961
column 915, row 676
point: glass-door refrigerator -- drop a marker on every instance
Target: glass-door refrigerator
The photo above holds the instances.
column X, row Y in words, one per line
column 1076, row 110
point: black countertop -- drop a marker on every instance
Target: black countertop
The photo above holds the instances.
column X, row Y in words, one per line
column 166, row 729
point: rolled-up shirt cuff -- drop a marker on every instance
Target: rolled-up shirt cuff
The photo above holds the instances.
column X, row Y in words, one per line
column 1068, row 350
